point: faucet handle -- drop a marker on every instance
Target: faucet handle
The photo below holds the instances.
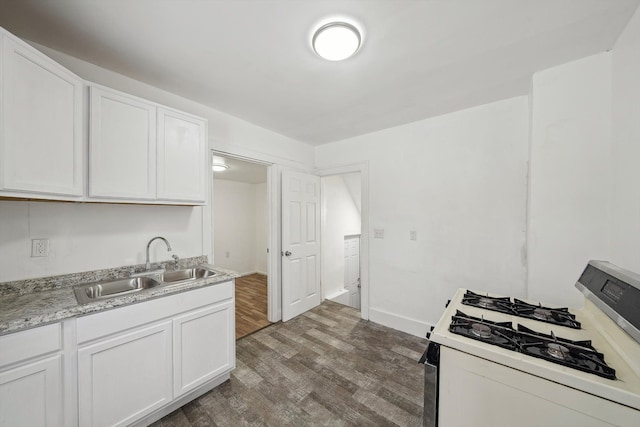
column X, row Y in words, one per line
column 176, row 258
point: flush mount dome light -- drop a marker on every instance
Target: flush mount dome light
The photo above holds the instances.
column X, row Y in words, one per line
column 219, row 167
column 336, row 41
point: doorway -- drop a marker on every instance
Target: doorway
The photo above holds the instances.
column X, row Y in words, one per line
column 352, row 270
column 340, row 236
column 241, row 235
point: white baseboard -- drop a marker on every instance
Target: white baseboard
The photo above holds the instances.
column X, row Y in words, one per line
column 401, row 323
column 249, row 273
column 166, row 410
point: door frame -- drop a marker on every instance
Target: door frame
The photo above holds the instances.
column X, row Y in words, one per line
column 363, row 168
column 274, row 306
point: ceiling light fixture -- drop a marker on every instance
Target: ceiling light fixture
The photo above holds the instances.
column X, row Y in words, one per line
column 219, row 167
column 336, row 41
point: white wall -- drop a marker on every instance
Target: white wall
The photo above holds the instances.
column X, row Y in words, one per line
column 340, row 218
column 570, row 170
column 460, row 181
column 89, row 236
column 239, row 219
column 625, row 200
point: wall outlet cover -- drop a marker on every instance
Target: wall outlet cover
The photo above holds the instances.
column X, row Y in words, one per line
column 378, row 233
column 39, row 248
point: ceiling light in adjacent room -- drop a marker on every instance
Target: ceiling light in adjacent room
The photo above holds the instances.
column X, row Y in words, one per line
column 219, row 167
column 336, row 41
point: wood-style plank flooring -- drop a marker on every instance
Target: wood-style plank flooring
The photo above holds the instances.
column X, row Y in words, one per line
column 251, row 304
column 325, row 367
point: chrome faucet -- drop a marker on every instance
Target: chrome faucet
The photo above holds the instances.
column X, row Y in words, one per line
column 148, row 264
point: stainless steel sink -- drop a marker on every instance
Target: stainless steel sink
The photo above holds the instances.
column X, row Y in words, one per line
column 186, row 275
column 89, row 292
column 113, row 288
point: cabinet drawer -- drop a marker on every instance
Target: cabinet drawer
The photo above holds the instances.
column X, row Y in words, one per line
column 30, row 343
column 114, row 321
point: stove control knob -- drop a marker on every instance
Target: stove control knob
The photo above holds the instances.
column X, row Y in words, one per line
column 447, row 304
column 429, row 333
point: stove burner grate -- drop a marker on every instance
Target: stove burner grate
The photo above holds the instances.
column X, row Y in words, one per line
column 496, row 333
column 500, row 304
column 578, row 355
column 557, row 316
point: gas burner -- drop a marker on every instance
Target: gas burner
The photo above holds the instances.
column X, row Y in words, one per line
column 496, row 333
column 558, row 351
column 542, row 314
column 486, row 302
column 480, row 330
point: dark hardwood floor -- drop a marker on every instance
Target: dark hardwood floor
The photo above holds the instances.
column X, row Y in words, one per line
column 325, row 367
column 251, row 304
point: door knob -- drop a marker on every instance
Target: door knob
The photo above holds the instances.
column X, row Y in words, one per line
column 287, row 253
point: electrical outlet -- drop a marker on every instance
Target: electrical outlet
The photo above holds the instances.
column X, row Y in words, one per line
column 227, row 254
column 39, row 248
column 378, row 233
column 413, row 235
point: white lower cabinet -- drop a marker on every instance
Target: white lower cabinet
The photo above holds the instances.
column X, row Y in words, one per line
column 123, row 378
column 135, row 363
column 31, row 387
column 200, row 353
column 31, row 394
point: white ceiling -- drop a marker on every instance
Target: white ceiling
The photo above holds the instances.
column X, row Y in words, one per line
column 252, row 59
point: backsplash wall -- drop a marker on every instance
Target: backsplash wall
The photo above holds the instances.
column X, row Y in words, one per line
column 91, row 236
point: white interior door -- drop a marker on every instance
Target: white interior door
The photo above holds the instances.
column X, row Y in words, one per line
column 300, row 243
column 352, row 269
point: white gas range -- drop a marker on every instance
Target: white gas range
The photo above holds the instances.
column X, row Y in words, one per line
column 498, row 361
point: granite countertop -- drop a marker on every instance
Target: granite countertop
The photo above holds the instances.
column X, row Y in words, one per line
column 35, row 302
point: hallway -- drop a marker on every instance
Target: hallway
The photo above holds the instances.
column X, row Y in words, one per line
column 251, row 304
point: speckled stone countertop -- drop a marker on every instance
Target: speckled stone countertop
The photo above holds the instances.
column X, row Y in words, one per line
column 35, row 302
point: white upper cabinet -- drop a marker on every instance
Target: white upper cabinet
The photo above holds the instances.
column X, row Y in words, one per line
column 122, row 146
column 142, row 152
column 182, row 159
column 41, row 145
column 137, row 151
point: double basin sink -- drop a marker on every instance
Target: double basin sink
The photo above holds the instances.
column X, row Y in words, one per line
column 89, row 292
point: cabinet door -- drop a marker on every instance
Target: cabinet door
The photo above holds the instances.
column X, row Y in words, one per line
column 122, row 146
column 31, row 394
column 182, row 157
column 41, row 123
column 204, row 346
column 123, row 378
